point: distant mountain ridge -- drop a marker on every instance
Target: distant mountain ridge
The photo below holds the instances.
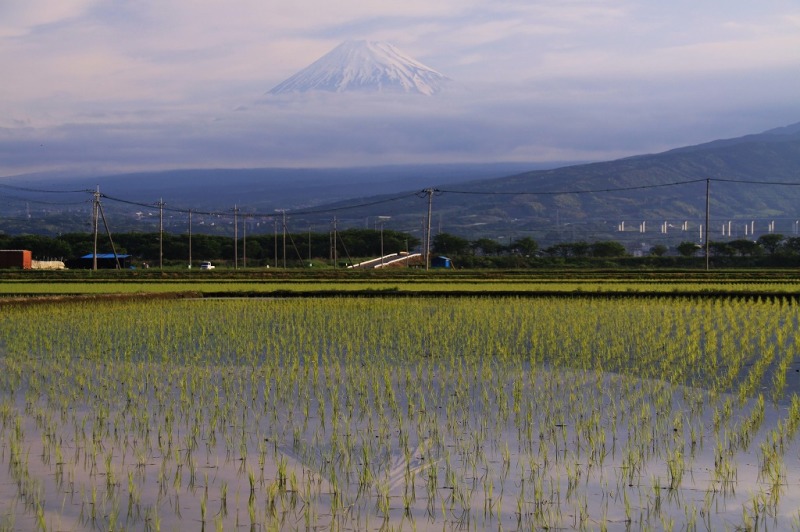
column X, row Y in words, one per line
column 755, row 181
column 754, row 178
column 364, row 66
column 266, row 189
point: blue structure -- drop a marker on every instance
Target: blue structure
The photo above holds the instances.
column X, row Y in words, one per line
column 441, row 262
column 104, row 261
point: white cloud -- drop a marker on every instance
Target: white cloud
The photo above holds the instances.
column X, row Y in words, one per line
column 157, row 81
column 20, row 17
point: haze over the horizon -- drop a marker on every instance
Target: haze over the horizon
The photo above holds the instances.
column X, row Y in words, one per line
column 98, row 86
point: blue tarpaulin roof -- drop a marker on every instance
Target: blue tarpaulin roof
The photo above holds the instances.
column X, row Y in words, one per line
column 105, row 256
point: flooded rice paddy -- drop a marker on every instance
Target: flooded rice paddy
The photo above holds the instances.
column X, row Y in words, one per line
column 411, row 414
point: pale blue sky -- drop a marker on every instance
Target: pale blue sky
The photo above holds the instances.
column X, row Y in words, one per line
column 101, row 85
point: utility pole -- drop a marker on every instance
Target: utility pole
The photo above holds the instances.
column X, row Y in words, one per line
column 244, row 241
column 190, row 239
column 284, row 238
column 160, row 233
column 95, row 213
column 283, row 217
column 108, row 232
column 429, row 192
column 708, row 191
column 235, row 237
column 334, row 242
column 382, row 220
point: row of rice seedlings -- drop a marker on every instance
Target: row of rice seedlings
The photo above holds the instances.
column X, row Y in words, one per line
column 389, row 410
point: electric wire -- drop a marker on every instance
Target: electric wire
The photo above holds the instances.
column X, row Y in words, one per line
column 355, row 206
column 752, row 182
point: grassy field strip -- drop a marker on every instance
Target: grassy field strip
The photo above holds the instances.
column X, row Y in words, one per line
column 233, row 286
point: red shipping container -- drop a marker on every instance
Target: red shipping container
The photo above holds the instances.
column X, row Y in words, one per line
column 15, row 258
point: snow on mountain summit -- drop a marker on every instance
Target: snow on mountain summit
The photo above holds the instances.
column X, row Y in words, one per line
column 364, row 66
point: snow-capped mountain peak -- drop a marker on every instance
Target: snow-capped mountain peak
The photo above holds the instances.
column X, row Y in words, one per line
column 364, row 66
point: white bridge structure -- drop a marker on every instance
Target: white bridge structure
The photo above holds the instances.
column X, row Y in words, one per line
column 393, row 259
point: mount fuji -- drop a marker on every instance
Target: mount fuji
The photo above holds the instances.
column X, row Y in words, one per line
column 365, row 66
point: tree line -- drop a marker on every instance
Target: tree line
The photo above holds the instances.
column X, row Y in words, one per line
column 768, row 250
column 266, row 249
column 354, row 244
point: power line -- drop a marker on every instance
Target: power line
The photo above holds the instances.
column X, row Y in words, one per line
column 427, row 193
column 262, row 214
column 355, row 206
column 750, row 182
column 170, row 209
column 423, row 194
column 396, row 198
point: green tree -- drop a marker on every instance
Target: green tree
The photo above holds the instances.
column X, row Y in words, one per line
column 396, row 241
column 791, row 246
column 771, row 243
column 448, row 244
column 357, row 243
column 722, row 249
column 569, row 249
column 205, row 247
column 524, row 246
column 688, row 249
column 745, row 248
column 33, row 243
column 580, row 249
column 558, row 250
column 487, row 246
column 608, row 248
column 253, row 249
column 659, row 250
column 41, row 247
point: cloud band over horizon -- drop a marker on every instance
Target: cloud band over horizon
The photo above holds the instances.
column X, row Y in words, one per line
column 148, row 85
